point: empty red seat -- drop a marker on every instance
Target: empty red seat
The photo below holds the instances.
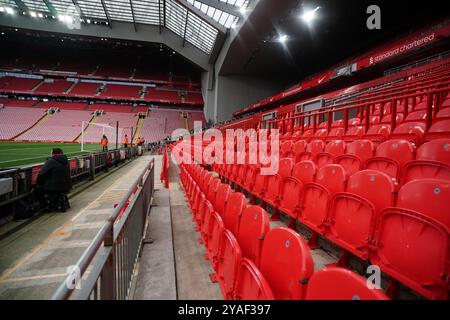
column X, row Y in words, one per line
column 391, row 156
column 286, row 263
column 416, row 116
column 290, row 193
column 354, row 133
column 378, row 133
column 353, row 213
column 320, row 133
column 305, row 171
column 341, row 284
column 299, row 147
column 356, row 155
column 212, row 189
column 223, row 192
column 250, row 176
column 432, row 161
column 254, row 226
column 443, row 113
column 316, row 197
column 271, row 196
column 411, row 131
column 312, row 149
column 251, row 284
column 413, row 238
column 335, row 133
column 439, row 129
column 286, row 149
column 230, row 257
column 214, row 238
column 236, row 203
column 388, row 118
column 332, row 149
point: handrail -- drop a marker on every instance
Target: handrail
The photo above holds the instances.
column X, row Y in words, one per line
column 107, row 235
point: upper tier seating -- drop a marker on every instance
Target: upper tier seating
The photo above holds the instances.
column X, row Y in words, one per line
column 85, row 89
column 121, row 91
column 18, row 84
column 53, row 87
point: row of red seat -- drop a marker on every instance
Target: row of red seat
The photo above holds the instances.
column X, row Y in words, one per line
column 360, row 211
column 398, row 158
column 253, row 262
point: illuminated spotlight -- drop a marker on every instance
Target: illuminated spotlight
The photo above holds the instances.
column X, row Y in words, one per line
column 40, row 15
column 309, row 15
column 283, row 38
column 2, row 9
column 3, row 33
column 106, row 23
column 33, row 14
column 9, row 10
column 88, row 20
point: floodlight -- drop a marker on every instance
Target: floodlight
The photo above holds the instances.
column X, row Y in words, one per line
column 309, row 15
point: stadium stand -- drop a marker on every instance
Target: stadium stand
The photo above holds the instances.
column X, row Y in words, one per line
column 16, row 120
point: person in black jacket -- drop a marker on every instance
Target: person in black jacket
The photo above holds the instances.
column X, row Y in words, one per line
column 54, row 177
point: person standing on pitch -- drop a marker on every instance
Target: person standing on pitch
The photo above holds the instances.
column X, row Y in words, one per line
column 125, row 141
column 104, row 143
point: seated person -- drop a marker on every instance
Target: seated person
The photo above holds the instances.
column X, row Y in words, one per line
column 54, row 178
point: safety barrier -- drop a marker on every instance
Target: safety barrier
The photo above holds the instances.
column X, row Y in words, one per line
column 81, row 168
column 113, row 253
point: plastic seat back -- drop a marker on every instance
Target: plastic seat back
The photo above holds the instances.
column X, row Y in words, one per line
column 212, row 189
column 215, row 234
column 432, row 161
column 235, row 205
column 274, row 181
column 230, row 257
column 251, row 284
column 353, row 213
column 286, row 263
column 223, row 192
column 391, row 156
column 317, row 196
column 414, row 238
column 305, row 171
column 356, row 155
column 341, row 284
column 255, row 223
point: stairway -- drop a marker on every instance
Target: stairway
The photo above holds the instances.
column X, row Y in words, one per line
column 137, row 132
column 71, row 87
column 93, row 120
column 42, row 120
column 38, row 85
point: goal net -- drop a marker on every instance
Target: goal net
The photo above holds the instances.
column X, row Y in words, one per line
column 92, row 133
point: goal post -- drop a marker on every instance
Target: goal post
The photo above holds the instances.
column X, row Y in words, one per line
column 92, row 133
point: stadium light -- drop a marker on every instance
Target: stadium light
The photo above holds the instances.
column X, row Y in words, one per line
column 40, row 15
column 2, row 9
column 88, row 20
column 9, row 10
column 283, row 38
column 309, row 15
column 33, row 14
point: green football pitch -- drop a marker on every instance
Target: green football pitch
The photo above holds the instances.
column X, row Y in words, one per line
column 14, row 154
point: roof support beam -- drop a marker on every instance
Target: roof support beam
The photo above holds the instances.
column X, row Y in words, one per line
column 77, row 6
column 107, row 14
column 132, row 14
column 223, row 6
column 185, row 28
column 202, row 15
column 21, row 5
column 51, row 8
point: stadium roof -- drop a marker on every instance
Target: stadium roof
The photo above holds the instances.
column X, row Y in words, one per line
column 198, row 22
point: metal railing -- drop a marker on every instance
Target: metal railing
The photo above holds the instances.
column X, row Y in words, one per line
column 81, row 168
column 113, row 253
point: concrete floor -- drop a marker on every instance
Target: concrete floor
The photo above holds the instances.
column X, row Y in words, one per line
column 34, row 258
column 173, row 267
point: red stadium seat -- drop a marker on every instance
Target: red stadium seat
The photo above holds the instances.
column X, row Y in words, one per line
column 274, row 182
column 305, row 171
column 236, row 203
column 432, row 161
column 332, row 149
column 316, row 198
column 411, row 131
column 440, row 129
column 413, row 238
column 416, row 116
column 286, row 263
column 212, row 189
column 353, row 213
column 286, row 149
column 299, row 147
column 223, row 192
column 356, row 155
column 230, row 257
column 214, row 239
column 290, row 194
column 251, row 284
column 341, row 284
column 378, row 133
column 391, row 156
column 254, row 226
